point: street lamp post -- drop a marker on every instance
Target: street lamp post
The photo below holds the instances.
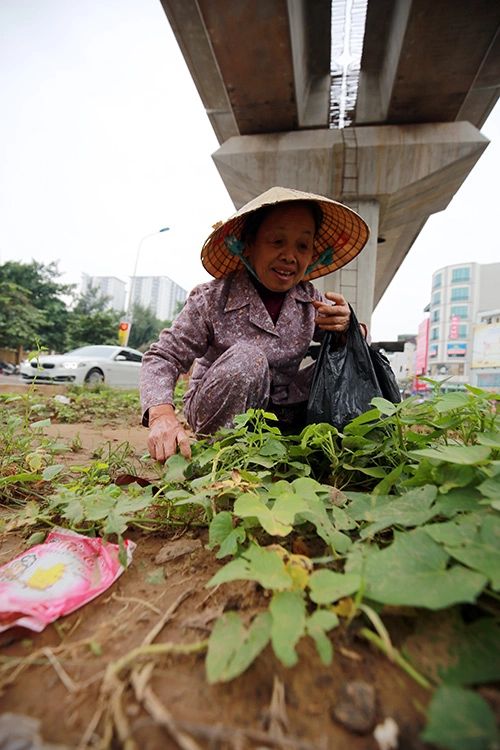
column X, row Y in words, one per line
column 132, row 283
column 127, row 323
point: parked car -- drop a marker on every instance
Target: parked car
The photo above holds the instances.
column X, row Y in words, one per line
column 113, row 365
column 8, row 368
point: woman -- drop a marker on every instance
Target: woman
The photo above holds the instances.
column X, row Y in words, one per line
column 248, row 331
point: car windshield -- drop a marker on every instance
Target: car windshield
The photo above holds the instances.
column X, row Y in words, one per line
column 91, row 351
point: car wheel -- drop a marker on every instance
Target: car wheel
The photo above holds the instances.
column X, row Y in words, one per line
column 94, row 377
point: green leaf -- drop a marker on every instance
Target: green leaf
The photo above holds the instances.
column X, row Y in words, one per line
column 288, row 610
column 460, row 720
column 220, row 528
column 200, row 498
column 449, row 476
column 278, row 520
column 74, row 511
column 326, row 586
column 38, row 537
column 413, row 571
column 491, row 439
column 425, row 473
column 411, row 509
column 457, row 501
column 40, row 424
column 378, row 472
column 481, row 550
column 273, row 447
column 389, row 480
column 175, row 467
column 317, row 625
column 52, row 471
column 474, row 654
column 455, row 532
column 232, row 648
column 255, row 564
column 232, row 542
column 361, row 504
column 223, row 533
column 450, row 401
column 316, row 513
column 384, row 406
column 23, row 477
column 490, row 487
column 456, row 454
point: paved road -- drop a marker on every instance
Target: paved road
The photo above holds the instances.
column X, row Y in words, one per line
column 12, row 379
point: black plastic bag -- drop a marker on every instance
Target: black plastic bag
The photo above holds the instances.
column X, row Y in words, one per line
column 346, row 380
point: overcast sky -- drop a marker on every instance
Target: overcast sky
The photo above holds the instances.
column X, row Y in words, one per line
column 104, row 141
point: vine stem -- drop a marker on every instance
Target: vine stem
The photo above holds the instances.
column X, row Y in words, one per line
column 396, row 657
column 153, row 650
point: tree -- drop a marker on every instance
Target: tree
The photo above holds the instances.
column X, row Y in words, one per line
column 40, row 284
column 20, row 321
column 145, row 327
column 90, row 323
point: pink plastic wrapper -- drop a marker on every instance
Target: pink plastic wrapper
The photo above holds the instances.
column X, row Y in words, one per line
column 57, row 577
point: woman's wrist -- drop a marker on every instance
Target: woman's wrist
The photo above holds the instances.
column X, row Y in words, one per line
column 161, row 410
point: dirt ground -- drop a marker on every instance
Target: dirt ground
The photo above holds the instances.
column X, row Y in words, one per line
column 69, row 683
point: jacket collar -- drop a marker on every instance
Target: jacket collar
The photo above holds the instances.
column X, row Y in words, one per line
column 243, row 293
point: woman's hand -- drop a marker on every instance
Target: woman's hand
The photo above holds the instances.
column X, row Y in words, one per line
column 334, row 317
column 166, row 434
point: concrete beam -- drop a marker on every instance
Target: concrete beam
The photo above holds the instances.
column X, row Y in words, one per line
column 194, row 41
column 258, row 66
column 429, row 61
column 409, row 172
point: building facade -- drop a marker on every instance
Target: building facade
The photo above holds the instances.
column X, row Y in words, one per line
column 107, row 286
column 486, row 351
column 459, row 294
column 158, row 293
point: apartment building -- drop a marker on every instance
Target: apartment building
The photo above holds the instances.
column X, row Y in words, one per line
column 460, row 293
column 107, row 286
column 158, row 293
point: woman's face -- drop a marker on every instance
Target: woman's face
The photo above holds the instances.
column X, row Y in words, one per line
column 283, row 247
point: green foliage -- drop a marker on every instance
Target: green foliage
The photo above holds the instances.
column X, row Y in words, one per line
column 45, row 299
column 89, row 322
column 461, row 720
column 20, row 321
column 145, row 328
column 402, row 508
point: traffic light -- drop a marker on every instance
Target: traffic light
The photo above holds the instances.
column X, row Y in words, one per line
column 124, row 333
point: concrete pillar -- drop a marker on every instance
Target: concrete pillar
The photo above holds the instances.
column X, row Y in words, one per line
column 356, row 280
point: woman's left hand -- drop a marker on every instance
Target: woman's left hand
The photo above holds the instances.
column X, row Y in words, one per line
column 334, row 317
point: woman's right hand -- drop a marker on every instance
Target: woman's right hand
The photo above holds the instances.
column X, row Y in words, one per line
column 166, row 434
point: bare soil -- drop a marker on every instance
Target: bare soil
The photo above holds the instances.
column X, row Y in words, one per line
column 59, row 677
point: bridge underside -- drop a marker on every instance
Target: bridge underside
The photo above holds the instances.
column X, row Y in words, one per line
column 429, row 77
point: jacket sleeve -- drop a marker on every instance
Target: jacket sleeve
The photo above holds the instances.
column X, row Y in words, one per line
column 174, row 353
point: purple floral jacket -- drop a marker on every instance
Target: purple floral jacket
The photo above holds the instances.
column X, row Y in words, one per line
column 220, row 313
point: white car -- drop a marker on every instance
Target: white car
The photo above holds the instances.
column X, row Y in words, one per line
column 117, row 366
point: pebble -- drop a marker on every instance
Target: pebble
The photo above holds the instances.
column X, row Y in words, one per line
column 356, row 707
column 176, row 549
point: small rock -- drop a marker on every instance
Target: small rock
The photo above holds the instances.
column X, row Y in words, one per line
column 356, row 707
column 173, row 550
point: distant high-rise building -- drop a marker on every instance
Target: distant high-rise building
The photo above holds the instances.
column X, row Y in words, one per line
column 158, row 293
column 460, row 293
column 107, row 286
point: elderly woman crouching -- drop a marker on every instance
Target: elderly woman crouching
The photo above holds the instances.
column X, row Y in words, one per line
column 248, row 330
